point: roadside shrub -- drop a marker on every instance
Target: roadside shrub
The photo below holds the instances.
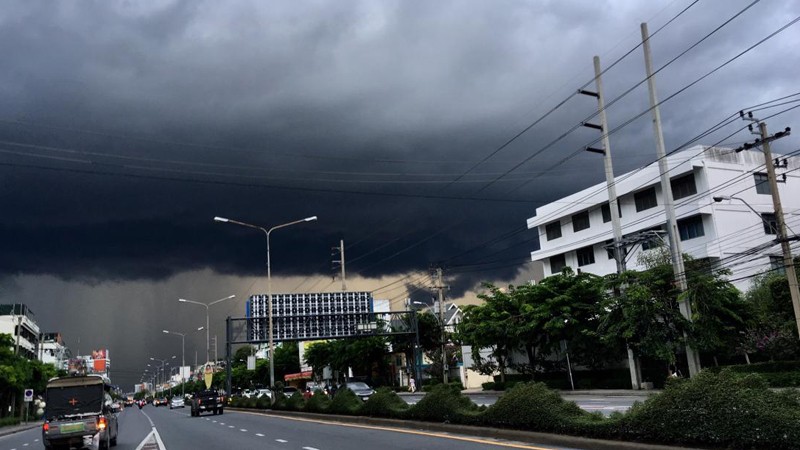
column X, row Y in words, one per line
column 7, row 421
column 294, row 403
column 775, row 373
column 722, row 410
column 345, row 402
column 535, row 407
column 318, row 403
column 385, row 403
column 488, row 386
column 444, row 403
column 263, row 402
column 250, row 403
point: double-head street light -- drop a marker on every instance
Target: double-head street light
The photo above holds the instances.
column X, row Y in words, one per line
column 267, row 232
column 206, row 305
column 183, row 355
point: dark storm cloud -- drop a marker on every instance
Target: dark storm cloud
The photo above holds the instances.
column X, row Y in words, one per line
column 126, row 126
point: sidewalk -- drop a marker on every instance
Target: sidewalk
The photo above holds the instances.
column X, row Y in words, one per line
column 11, row 429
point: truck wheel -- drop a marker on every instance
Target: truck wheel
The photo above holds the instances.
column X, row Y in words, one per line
column 105, row 443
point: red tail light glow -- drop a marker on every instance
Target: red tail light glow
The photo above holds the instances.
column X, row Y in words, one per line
column 101, row 423
column 46, row 427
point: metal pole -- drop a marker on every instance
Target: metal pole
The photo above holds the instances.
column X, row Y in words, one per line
column 228, row 334
column 208, row 352
column 441, row 324
column 788, row 261
column 183, row 364
column 341, row 258
column 613, row 204
column 269, row 316
column 693, row 358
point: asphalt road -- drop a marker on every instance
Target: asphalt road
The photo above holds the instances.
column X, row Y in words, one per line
column 176, row 430
column 604, row 404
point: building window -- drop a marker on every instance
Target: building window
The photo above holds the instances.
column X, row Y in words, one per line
column 606, row 210
column 557, row 263
column 691, row 227
column 770, row 223
column 776, row 264
column 580, row 221
column 645, row 199
column 762, row 183
column 585, row 256
column 683, row 186
column 553, row 230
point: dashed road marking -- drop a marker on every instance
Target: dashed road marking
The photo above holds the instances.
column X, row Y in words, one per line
column 231, row 426
column 25, row 444
column 222, row 423
column 243, row 430
column 310, row 448
column 35, row 440
column 259, row 435
column 282, row 441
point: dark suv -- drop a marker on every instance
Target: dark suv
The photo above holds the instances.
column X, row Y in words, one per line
column 207, row 401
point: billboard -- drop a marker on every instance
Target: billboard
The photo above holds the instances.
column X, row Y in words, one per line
column 309, row 316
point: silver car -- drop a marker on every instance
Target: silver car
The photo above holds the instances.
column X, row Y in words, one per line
column 176, row 402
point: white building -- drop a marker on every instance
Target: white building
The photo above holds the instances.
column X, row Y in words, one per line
column 574, row 231
column 52, row 350
column 18, row 318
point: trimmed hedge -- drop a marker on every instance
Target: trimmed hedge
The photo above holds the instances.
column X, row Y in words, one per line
column 720, row 410
column 535, row 407
column 445, row 403
column 776, row 374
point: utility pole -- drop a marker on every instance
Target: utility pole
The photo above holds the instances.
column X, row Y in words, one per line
column 613, row 205
column 788, row 260
column 440, row 286
column 339, row 261
column 693, row 358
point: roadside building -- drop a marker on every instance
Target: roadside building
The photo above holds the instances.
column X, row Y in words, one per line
column 18, row 321
column 52, row 350
column 723, row 206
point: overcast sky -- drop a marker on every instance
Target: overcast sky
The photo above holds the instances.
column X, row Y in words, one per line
column 126, row 126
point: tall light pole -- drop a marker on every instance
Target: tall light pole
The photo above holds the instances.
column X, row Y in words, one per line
column 163, row 362
column 183, row 356
column 206, row 305
column 267, row 232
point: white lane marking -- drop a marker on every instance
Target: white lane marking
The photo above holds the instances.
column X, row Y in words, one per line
column 25, row 444
column 310, row 448
column 214, row 421
column 231, row 426
column 222, row 423
column 282, row 441
column 35, row 440
column 259, row 435
column 243, row 430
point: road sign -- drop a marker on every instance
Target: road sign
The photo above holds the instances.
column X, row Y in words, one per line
column 28, row 395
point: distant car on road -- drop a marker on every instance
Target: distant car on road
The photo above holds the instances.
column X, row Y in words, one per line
column 361, row 389
column 176, row 402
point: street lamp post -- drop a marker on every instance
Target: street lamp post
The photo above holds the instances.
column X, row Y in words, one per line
column 267, row 232
column 183, row 356
column 163, row 363
column 208, row 345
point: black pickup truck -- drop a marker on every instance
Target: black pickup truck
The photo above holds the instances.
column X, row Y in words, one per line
column 207, row 401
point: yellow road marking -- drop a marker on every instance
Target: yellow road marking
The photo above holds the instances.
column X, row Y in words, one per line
column 401, row 430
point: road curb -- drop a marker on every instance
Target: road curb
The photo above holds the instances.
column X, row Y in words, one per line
column 530, row 437
column 5, row 431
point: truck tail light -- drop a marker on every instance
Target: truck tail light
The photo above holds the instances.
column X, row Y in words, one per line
column 101, row 423
column 46, row 427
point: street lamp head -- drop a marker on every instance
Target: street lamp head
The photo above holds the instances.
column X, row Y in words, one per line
column 221, row 219
column 182, row 300
column 721, row 198
column 165, row 331
column 151, row 359
column 309, row 219
column 201, row 328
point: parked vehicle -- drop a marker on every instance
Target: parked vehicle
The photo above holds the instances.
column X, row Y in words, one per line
column 361, row 389
column 288, row 391
column 79, row 413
